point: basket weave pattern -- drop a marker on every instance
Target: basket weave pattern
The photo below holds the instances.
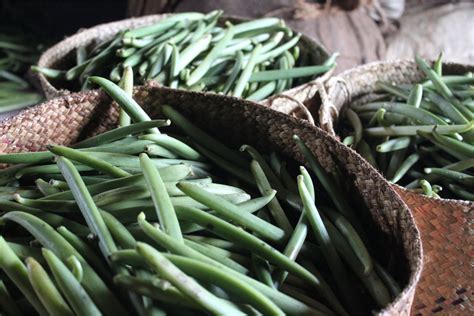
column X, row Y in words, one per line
column 447, row 281
column 64, row 119
column 448, row 245
column 59, row 54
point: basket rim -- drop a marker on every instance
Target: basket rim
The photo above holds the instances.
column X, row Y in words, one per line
column 134, row 22
column 339, row 79
column 394, row 62
column 441, row 201
column 415, row 267
column 337, row 83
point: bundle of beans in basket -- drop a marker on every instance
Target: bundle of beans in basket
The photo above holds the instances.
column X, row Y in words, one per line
column 420, row 136
column 192, row 51
column 136, row 221
column 16, row 56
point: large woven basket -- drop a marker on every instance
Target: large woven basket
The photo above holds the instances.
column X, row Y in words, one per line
column 61, row 55
column 447, row 281
column 66, row 119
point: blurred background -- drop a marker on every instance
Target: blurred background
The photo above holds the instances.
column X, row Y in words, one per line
column 361, row 30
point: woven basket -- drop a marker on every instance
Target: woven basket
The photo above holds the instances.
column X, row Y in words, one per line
column 66, row 119
column 61, row 55
column 447, row 280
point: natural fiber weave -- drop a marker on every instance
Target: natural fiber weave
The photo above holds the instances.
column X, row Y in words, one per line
column 61, row 55
column 64, row 120
column 299, row 101
column 447, row 281
column 356, row 83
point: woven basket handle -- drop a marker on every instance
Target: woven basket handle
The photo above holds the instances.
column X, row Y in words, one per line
column 293, row 112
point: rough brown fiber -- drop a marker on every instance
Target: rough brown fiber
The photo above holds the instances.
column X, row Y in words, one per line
column 445, row 225
column 448, row 245
column 56, row 55
column 289, row 101
column 237, row 121
column 353, row 84
column 60, row 54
